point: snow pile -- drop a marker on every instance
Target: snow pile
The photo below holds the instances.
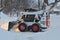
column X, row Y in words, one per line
column 5, row 18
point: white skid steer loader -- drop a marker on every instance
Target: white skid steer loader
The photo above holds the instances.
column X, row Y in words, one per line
column 31, row 21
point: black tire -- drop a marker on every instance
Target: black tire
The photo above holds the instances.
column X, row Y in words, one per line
column 35, row 28
column 22, row 27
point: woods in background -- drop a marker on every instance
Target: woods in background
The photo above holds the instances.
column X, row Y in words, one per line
column 12, row 7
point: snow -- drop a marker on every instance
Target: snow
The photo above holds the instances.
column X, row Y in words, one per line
column 53, row 32
column 51, row 1
column 6, row 18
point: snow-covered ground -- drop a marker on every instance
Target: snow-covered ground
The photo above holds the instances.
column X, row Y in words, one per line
column 53, row 33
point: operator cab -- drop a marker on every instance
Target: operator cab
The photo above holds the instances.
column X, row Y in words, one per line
column 32, row 17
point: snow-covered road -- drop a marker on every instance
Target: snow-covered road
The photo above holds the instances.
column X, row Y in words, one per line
column 53, row 33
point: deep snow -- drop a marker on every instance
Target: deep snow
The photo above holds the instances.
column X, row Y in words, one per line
column 6, row 18
column 53, row 32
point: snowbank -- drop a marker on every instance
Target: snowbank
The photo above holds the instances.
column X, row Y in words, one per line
column 5, row 18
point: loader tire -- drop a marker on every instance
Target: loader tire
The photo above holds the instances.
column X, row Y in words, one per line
column 22, row 27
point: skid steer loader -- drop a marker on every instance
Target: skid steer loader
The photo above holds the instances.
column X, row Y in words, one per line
column 31, row 21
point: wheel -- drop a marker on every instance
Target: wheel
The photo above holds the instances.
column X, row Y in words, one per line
column 35, row 27
column 22, row 27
